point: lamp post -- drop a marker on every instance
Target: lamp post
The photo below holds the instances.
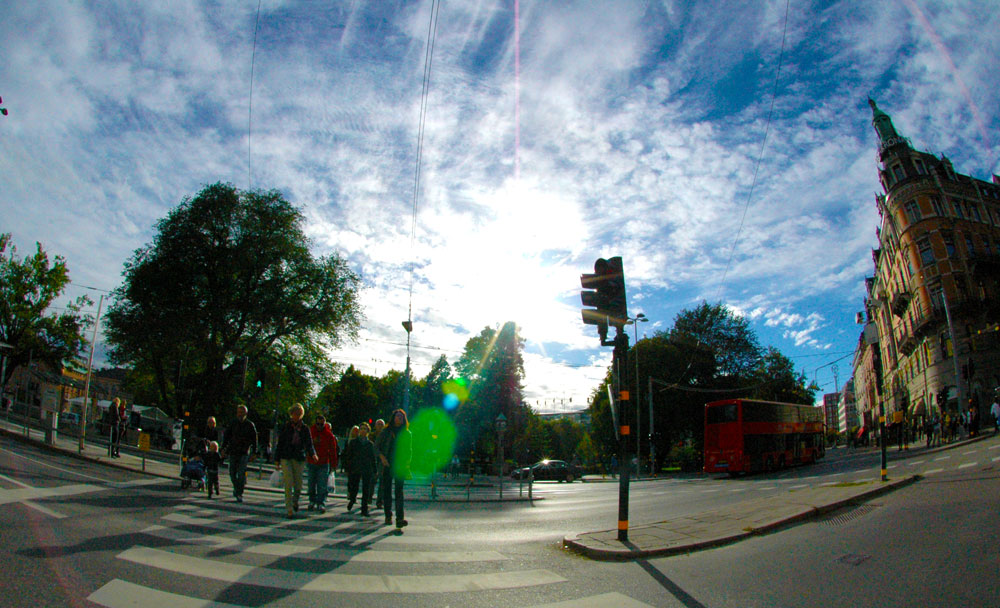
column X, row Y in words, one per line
column 408, row 326
column 634, row 322
column 501, row 425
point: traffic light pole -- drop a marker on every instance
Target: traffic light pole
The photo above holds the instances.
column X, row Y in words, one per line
column 620, row 363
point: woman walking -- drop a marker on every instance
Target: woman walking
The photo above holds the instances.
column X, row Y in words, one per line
column 294, row 446
column 395, row 457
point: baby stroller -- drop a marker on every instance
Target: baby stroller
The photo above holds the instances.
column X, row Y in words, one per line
column 193, row 470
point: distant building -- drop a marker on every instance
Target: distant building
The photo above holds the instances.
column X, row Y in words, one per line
column 830, row 401
column 932, row 309
column 847, row 409
column 580, row 417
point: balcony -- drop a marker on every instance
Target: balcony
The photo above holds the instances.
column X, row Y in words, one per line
column 899, row 303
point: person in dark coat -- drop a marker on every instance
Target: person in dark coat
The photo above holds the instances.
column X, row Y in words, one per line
column 113, row 422
column 239, row 442
column 362, row 469
column 395, row 456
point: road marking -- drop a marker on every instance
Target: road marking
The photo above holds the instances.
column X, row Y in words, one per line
column 942, row 458
column 916, row 462
column 50, row 466
column 967, row 465
column 932, row 471
column 597, row 601
column 804, row 485
column 994, row 447
column 969, row 452
column 29, row 493
column 335, row 582
column 738, row 490
column 122, row 594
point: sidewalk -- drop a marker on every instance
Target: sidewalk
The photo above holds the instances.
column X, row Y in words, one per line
column 458, row 489
column 740, row 521
column 728, row 524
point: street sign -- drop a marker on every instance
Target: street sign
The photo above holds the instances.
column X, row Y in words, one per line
column 144, row 442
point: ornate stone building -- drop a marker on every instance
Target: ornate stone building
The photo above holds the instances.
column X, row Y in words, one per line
column 932, row 309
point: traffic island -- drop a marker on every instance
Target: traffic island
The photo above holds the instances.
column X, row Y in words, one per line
column 729, row 524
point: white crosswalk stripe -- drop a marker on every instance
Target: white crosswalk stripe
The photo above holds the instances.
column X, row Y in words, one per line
column 253, row 544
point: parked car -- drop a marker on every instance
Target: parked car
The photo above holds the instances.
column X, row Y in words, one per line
column 549, row 470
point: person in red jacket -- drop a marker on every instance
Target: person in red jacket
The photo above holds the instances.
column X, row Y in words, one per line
column 318, row 470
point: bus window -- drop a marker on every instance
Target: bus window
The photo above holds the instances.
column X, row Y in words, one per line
column 721, row 413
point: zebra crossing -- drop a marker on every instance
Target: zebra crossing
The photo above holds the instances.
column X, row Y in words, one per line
column 252, row 548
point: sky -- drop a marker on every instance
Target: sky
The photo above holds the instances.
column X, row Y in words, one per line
column 723, row 149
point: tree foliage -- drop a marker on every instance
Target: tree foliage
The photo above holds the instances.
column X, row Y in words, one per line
column 710, row 353
column 493, row 365
column 229, row 286
column 28, row 287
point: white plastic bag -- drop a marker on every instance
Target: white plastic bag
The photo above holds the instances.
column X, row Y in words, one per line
column 275, row 479
column 331, row 482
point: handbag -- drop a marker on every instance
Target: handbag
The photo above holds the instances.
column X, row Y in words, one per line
column 331, row 483
column 275, row 479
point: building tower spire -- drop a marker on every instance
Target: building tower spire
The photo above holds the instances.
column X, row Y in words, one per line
column 883, row 124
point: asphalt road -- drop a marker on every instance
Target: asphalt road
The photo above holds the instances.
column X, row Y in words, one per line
column 79, row 534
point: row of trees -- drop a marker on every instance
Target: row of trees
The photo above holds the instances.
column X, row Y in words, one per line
column 228, row 291
column 710, row 353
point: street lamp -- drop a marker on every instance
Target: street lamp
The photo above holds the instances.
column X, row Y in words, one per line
column 501, row 425
column 634, row 322
column 408, row 326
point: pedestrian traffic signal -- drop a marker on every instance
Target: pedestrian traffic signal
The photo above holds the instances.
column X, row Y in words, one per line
column 604, row 294
column 261, row 377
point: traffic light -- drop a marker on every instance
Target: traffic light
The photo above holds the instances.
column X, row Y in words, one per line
column 604, row 293
column 261, row 377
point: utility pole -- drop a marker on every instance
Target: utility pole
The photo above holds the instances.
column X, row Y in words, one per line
column 620, row 359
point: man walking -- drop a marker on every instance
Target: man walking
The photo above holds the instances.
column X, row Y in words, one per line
column 995, row 410
column 325, row 444
column 239, row 442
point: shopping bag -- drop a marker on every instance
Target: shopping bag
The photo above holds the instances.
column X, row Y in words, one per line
column 275, row 479
column 331, row 483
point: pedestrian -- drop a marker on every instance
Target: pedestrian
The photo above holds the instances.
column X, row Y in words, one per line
column 295, row 445
column 238, row 443
column 395, row 457
column 122, row 426
column 379, row 433
column 211, row 431
column 212, row 459
column 347, row 461
column 112, row 421
column 319, row 471
column 362, row 469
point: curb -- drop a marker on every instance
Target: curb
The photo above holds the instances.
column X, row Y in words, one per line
column 575, row 543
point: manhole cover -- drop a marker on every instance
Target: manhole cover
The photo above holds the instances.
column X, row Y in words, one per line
column 853, row 559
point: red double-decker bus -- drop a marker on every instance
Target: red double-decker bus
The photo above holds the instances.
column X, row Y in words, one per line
column 746, row 435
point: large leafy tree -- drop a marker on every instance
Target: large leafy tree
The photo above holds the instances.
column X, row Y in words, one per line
column 727, row 335
column 229, row 288
column 493, row 365
column 28, row 287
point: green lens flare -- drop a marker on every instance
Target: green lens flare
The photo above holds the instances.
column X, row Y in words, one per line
column 433, row 441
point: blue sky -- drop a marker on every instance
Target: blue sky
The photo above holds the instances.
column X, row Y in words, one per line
column 602, row 128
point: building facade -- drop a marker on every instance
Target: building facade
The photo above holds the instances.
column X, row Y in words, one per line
column 931, row 341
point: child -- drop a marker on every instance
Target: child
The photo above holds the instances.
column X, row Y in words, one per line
column 212, row 460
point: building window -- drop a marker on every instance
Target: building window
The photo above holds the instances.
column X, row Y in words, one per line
column 975, row 212
column 897, row 172
column 912, row 211
column 970, row 246
column 936, row 205
column 959, row 212
column 949, row 244
column 926, row 252
column 919, row 164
